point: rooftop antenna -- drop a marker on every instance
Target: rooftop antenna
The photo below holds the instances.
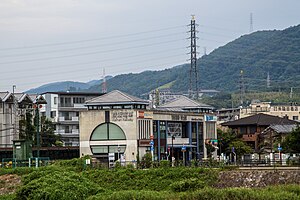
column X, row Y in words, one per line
column 104, row 86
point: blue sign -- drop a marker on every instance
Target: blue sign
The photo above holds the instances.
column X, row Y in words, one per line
column 151, row 142
column 279, row 148
column 183, row 148
column 152, row 148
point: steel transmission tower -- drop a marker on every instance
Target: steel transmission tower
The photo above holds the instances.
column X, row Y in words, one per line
column 251, row 22
column 193, row 85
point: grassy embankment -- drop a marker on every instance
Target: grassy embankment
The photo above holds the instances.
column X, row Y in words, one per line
column 67, row 180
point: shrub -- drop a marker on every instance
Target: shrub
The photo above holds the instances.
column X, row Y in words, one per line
column 165, row 163
column 187, row 185
column 133, row 194
column 56, row 185
column 77, row 163
column 146, row 161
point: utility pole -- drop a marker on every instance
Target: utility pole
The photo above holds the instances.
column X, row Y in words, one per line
column 193, row 67
column 15, row 134
column 37, row 115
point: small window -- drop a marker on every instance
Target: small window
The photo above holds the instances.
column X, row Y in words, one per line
column 55, row 100
column 53, row 114
column 295, row 117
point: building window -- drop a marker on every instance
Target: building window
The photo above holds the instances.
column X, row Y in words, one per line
column 144, row 127
column 295, row 117
column 53, row 114
column 243, row 130
column 210, row 130
column 128, row 107
column 55, row 100
column 78, row 100
column 108, row 131
column 175, row 129
column 252, row 129
column 105, row 149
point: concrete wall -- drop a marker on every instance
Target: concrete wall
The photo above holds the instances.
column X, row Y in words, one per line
column 89, row 120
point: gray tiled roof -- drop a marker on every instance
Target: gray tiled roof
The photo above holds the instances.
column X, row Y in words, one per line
column 4, row 95
column 21, row 96
column 115, row 97
column 286, row 128
column 184, row 102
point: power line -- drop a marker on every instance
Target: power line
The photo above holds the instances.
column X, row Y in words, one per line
column 87, row 47
column 90, row 40
column 107, row 66
column 98, row 61
column 89, row 53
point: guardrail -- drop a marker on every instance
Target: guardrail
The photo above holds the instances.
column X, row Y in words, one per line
column 31, row 162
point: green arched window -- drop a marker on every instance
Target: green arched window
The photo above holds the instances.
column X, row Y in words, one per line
column 108, row 131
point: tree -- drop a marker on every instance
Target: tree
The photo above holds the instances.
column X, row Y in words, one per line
column 228, row 139
column 291, row 143
column 210, row 149
column 225, row 138
column 27, row 129
column 240, row 148
column 48, row 137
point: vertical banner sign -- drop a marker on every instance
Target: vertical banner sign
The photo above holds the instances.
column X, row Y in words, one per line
column 152, row 146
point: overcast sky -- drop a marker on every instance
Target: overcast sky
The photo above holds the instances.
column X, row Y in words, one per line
column 45, row 41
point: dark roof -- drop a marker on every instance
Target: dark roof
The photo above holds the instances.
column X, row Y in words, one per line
column 259, row 120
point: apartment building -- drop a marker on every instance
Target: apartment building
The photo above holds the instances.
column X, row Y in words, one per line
column 290, row 111
column 63, row 109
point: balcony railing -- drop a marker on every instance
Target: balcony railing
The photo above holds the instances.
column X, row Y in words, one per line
column 75, row 131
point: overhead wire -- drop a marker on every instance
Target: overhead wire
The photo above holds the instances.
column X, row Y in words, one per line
column 89, row 40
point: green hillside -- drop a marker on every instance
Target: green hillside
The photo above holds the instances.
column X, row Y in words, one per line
column 276, row 52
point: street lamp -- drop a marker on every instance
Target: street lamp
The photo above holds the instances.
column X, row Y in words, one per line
column 173, row 138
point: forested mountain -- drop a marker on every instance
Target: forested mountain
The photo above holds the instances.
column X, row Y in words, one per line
column 257, row 54
column 66, row 86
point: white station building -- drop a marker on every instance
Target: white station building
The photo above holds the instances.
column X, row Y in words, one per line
column 119, row 125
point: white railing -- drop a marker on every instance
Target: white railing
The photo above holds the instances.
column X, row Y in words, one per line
column 60, row 131
column 75, row 131
column 76, row 119
column 61, row 119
